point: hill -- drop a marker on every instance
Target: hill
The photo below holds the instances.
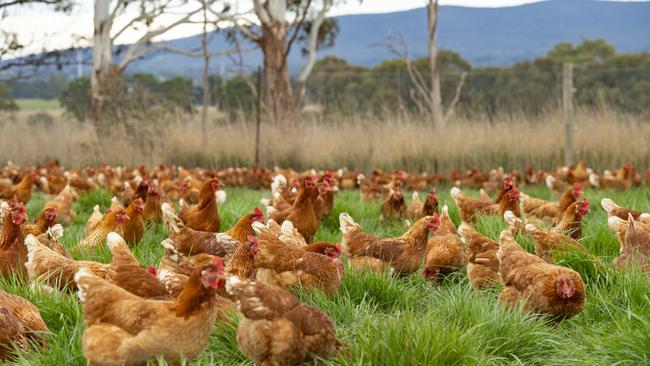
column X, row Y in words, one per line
column 484, row 36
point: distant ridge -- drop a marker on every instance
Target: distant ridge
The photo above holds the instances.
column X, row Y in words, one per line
column 484, row 36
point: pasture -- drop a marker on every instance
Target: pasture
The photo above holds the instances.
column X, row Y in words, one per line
column 407, row 321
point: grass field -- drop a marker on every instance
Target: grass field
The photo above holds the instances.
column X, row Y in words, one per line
column 408, row 321
column 38, row 104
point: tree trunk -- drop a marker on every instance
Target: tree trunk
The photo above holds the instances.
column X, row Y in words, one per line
column 276, row 73
column 435, row 96
column 102, row 55
column 206, row 81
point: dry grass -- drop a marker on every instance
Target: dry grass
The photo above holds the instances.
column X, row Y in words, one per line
column 604, row 138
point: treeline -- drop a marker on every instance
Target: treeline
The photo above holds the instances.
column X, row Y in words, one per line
column 602, row 78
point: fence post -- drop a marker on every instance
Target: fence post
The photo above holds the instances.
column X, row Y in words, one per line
column 567, row 103
column 258, row 116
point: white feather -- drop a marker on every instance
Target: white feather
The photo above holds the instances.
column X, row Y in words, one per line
column 608, row 205
column 220, row 196
column 113, row 239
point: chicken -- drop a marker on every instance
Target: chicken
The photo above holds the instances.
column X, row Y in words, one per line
column 402, row 255
column 470, row 207
column 21, row 191
column 541, row 287
column 327, row 192
column 44, row 221
column 175, row 268
column 152, row 204
column 393, row 207
column 549, row 212
column 303, row 213
column 620, row 226
column 190, row 241
column 53, row 269
column 483, row 265
column 205, row 215
column 571, row 222
column 418, row 209
column 621, row 184
column 124, row 329
column 20, row 325
column 50, row 239
column 445, row 251
column 133, row 230
column 547, row 242
column 555, row 185
column 635, row 245
column 278, row 329
column 13, row 253
column 613, row 209
column 95, row 217
column 112, row 221
column 126, row 272
column 286, row 265
column 63, row 205
column 242, row 263
column 414, row 209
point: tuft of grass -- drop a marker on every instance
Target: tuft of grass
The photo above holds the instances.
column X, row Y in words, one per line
column 386, row 320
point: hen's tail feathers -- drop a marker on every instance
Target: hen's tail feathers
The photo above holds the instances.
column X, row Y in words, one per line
column 615, row 223
column 532, row 228
column 258, row 227
column 32, row 245
column 113, row 240
column 512, row 219
column 464, row 230
column 221, row 196
column 170, row 220
column 347, row 223
column 456, row 194
column 550, row 181
column 78, row 279
column 55, row 232
column 609, row 205
column 279, row 181
column 415, row 196
column 593, row 180
column 644, row 216
column 506, row 241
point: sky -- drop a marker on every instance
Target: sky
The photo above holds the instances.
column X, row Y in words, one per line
column 42, row 28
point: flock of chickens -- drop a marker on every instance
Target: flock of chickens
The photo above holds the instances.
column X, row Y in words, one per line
column 134, row 314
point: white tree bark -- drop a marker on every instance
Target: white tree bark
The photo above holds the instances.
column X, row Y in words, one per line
column 435, row 97
column 102, row 45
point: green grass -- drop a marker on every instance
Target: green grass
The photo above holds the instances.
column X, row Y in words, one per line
column 37, row 104
column 408, row 321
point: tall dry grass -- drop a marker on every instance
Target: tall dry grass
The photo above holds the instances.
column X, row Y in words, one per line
column 604, row 138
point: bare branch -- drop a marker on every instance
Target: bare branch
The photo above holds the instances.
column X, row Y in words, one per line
column 235, row 20
column 313, row 41
column 134, row 51
column 452, row 105
column 188, row 53
column 296, row 30
column 261, row 13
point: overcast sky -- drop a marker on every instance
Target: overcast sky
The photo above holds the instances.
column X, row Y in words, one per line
column 42, row 27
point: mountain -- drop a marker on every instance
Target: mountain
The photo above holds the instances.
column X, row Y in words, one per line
column 484, row 36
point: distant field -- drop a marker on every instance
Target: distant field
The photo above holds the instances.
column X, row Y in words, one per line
column 35, row 104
